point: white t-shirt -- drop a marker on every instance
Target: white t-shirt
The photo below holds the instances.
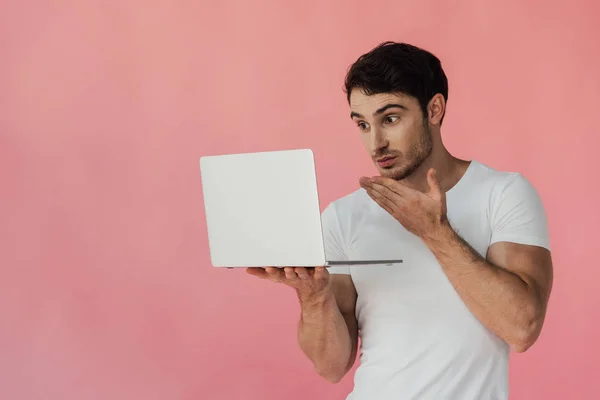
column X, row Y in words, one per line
column 418, row 338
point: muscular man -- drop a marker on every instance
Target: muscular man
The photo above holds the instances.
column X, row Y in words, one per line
column 477, row 269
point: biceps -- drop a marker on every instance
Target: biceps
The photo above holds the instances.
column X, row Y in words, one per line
column 352, row 325
column 532, row 264
column 344, row 292
column 345, row 295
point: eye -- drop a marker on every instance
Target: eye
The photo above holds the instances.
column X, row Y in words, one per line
column 390, row 119
column 363, row 126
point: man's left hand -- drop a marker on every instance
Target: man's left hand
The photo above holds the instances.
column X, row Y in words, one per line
column 423, row 214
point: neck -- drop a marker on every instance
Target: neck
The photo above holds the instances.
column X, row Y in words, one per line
column 449, row 169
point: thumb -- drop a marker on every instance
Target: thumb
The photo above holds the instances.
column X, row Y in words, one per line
column 434, row 185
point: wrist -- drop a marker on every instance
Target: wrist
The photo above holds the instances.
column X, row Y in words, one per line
column 440, row 234
column 310, row 297
column 311, row 301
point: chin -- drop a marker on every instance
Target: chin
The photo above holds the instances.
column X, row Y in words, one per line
column 400, row 172
column 397, row 173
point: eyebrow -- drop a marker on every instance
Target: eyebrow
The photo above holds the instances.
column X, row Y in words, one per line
column 379, row 111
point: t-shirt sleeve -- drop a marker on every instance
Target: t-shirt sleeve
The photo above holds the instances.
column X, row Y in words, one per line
column 333, row 239
column 518, row 215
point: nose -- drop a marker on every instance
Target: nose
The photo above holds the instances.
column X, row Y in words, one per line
column 378, row 141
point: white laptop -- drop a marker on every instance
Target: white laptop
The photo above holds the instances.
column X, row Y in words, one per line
column 262, row 210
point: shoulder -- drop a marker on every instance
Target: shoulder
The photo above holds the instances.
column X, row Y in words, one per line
column 496, row 177
column 343, row 213
column 515, row 209
column 501, row 183
column 351, row 201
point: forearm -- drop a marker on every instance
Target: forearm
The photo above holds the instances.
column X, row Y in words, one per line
column 324, row 336
column 503, row 302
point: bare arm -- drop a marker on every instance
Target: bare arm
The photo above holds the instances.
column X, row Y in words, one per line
column 508, row 292
column 328, row 330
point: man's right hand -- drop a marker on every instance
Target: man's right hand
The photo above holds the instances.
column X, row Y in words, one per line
column 328, row 329
column 308, row 282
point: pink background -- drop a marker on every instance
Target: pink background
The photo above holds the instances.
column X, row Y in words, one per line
column 106, row 290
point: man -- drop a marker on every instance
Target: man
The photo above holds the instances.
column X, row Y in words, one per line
column 477, row 270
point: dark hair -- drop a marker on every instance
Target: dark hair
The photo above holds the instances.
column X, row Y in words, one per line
column 398, row 68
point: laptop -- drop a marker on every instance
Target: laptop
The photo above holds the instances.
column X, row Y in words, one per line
column 262, row 210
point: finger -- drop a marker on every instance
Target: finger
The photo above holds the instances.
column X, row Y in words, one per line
column 275, row 274
column 435, row 189
column 386, row 192
column 381, row 190
column 382, row 201
column 364, row 182
column 258, row 272
column 321, row 273
column 393, row 185
column 290, row 273
column 302, row 273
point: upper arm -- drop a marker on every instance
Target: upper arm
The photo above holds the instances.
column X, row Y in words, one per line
column 335, row 250
column 520, row 240
column 345, row 296
column 345, row 293
column 341, row 279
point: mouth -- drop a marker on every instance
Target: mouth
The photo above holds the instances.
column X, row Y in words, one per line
column 385, row 161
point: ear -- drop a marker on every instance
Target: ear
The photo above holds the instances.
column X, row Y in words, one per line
column 436, row 109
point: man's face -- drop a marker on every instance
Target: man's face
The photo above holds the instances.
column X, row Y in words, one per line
column 393, row 131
